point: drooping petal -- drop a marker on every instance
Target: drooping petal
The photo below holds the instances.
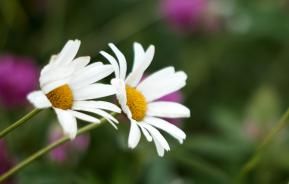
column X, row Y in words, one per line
column 67, row 121
column 85, row 117
column 121, row 59
column 160, row 142
column 93, row 91
column 96, row 105
column 157, row 136
column 168, row 110
column 112, row 120
column 134, row 135
column 146, row 133
column 160, row 148
column 167, row 127
column 135, row 76
column 159, row 88
column 39, row 100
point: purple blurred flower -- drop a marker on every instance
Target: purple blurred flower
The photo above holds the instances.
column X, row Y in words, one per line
column 68, row 151
column 184, row 15
column 5, row 160
column 19, row 76
column 174, row 97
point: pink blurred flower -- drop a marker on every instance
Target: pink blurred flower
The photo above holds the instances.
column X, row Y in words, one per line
column 184, row 15
column 68, row 151
column 19, row 76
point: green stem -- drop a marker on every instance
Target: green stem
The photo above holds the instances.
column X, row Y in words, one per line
column 20, row 122
column 46, row 149
column 253, row 161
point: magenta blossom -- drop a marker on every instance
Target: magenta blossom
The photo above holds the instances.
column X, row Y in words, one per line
column 184, row 15
column 66, row 152
column 19, row 76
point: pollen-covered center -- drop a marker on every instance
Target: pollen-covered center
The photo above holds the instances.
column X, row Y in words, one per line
column 136, row 103
column 61, row 97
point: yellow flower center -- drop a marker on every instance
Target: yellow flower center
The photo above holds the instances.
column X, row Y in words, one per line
column 61, row 97
column 136, row 103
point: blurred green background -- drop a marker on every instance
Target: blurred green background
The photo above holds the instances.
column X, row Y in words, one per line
column 237, row 88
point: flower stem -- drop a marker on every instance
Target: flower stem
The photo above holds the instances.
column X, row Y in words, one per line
column 253, row 161
column 46, row 149
column 20, row 122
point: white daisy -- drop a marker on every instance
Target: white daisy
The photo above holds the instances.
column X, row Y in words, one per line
column 138, row 99
column 68, row 86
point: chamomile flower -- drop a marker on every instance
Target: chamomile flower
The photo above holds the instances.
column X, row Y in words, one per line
column 69, row 86
column 139, row 98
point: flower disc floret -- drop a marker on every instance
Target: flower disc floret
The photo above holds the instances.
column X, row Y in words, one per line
column 61, row 97
column 136, row 103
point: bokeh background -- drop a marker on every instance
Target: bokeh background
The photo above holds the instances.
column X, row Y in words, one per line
column 235, row 52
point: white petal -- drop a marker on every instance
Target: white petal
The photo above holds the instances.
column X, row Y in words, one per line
column 67, row 121
column 101, row 113
column 97, row 105
column 93, row 91
column 156, row 89
column 168, row 110
column 157, row 76
column 167, row 127
column 160, row 142
column 134, row 135
column 47, row 68
column 68, row 52
column 113, row 62
column 90, row 74
column 135, row 76
column 53, row 85
column 112, row 120
column 121, row 59
column 157, row 136
column 52, row 59
column 146, row 133
column 160, row 148
column 81, row 62
column 85, row 117
column 138, row 55
column 38, row 99
column 121, row 95
column 50, row 66
column 56, row 75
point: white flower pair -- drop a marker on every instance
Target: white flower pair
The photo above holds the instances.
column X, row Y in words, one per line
column 70, row 86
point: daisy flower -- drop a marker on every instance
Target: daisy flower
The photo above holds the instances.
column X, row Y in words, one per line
column 138, row 98
column 68, row 86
